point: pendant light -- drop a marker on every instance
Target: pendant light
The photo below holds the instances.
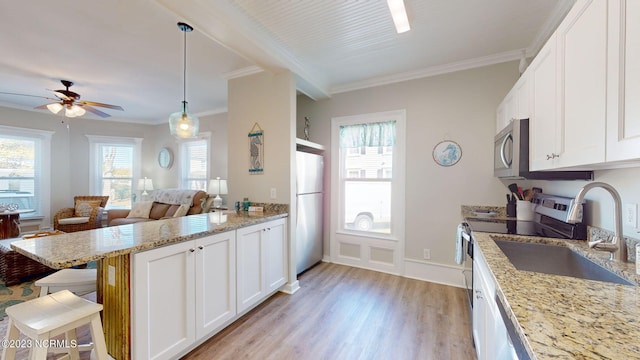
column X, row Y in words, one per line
column 182, row 124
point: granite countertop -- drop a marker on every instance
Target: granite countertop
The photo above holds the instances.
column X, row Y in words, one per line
column 565, row 317
column 66, row 250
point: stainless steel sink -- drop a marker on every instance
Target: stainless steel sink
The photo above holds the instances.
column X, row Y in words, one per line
column 555, row 260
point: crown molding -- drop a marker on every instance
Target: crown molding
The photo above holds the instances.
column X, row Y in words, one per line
column 249, row 70
column 431, row 71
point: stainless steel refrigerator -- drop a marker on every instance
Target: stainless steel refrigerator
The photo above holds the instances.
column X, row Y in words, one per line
column 309, row 178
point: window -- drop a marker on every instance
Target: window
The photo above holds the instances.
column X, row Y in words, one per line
column 195, row 164
column 366, row 199
column 115, row 168
column 25, row 170
column 367, row 204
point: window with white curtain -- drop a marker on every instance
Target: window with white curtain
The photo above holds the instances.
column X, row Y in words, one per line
column 115, row 167
column 25, row 170
column 194, row 162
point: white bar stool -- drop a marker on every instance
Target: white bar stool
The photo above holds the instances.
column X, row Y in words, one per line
column 42, row 318
column 78, row 281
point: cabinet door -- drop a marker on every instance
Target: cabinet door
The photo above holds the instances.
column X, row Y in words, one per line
column 275, row 255
column 522, row 98
column 543, row 132
column 163, row 316
column 215, row 282
column 623, row 127
column 582, row 52
column 250, row 277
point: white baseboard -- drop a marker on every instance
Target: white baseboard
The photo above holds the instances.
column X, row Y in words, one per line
column 435, row 273
column 425, row 271
column 290, row 288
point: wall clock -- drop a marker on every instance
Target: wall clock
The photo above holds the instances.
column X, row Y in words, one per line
column 165, row 158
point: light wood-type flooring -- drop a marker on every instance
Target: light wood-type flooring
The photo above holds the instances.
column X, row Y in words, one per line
column 342, row 312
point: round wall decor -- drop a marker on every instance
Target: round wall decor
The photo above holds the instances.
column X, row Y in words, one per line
column 165, row 158
column 447, row 153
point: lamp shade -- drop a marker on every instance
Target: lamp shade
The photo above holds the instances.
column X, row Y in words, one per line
column 144, row 185
column 55, row 107
column 218, row 187
column 182, row 124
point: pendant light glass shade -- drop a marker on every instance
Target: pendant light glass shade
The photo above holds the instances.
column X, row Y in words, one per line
column 182, row 124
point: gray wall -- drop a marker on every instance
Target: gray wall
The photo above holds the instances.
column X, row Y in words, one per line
column 459, row 106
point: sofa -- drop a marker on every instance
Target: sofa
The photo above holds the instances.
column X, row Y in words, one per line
column 162, row 204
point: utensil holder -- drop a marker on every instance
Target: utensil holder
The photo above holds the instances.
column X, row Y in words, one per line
column 511, row 210
column 524, row 210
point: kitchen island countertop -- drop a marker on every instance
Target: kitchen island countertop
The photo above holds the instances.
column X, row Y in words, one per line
column 565, row 317
column 67, row 250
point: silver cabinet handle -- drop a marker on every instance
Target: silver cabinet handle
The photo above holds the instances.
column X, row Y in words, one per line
column 200, row 247
column 552, row 156
column 192, row 250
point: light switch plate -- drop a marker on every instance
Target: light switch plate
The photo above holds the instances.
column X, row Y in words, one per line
column 630, row 215
column 273, row 193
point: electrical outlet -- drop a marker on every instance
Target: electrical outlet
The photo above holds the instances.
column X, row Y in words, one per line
column 273, row 193
column 631, row 215
column 427, row 254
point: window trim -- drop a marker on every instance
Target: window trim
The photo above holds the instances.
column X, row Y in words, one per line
column 94, row 156
column 398, row 181
column 44, row 160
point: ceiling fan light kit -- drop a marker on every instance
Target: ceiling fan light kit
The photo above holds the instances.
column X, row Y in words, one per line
column 182, row 124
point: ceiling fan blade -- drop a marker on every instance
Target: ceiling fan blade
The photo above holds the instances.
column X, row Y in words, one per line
column 95, row 111
column 93, row 103
column 42, row 107
column 37, row 96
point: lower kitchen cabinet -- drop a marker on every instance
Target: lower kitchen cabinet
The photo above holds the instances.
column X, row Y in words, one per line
column 261, row 261
column 181, row 293
column 489, row 332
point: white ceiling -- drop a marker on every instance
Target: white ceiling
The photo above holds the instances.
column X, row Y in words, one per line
column 130, row 52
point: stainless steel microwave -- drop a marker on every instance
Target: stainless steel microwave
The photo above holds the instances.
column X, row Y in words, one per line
column 511, row 156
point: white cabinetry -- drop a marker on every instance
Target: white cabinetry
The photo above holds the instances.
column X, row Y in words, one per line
column 585, row 110
column 181, row 293
column 623, row 121
column 261, row 261
column 582, row 57
column 515, row 105
column 489, row 332
column 542, row 124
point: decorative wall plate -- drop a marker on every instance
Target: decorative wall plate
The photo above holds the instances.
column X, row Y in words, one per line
column 165, row 158
column 447, row 153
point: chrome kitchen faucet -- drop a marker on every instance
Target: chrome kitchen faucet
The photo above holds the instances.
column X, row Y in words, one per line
column 617, row 245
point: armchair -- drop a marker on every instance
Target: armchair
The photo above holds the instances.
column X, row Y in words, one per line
column 85, row 215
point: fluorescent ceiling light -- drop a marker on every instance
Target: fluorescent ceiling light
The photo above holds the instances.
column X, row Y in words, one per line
column 399, row 15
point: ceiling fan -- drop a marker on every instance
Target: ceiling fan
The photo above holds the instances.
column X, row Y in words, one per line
column 71, row 103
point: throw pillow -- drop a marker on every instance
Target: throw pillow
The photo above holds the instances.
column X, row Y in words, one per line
column 182, row 210
column 140, row 209
column 84, row 207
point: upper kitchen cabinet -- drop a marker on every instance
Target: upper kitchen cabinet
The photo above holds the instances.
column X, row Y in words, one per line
column 568, row 119
column 623, row 125
column 515, row 105
column 542, row 123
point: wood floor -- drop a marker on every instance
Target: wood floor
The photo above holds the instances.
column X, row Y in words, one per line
column 347, row 313
column 342, row 312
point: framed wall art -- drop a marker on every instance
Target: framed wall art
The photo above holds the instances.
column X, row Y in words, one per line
column 256, row 150
column 447, row 153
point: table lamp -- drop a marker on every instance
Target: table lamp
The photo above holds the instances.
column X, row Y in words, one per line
column 218, row 187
